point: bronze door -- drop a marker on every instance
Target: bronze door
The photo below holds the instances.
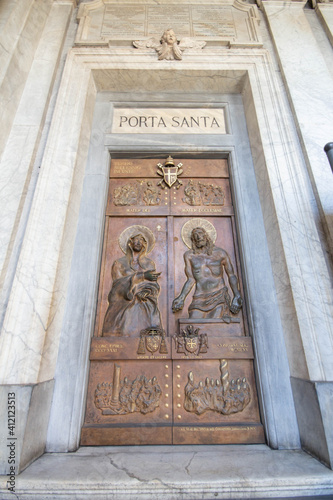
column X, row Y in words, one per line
column 171, row 358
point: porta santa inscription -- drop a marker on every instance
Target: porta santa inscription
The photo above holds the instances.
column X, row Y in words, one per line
column 169, row 121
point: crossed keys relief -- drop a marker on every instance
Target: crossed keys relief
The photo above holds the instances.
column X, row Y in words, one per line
column 170, row 173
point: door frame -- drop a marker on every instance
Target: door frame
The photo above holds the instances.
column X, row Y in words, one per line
column 264, row 318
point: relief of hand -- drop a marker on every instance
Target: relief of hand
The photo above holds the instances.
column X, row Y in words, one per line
column 151, row 275
column 177, row 304
column 236, row 304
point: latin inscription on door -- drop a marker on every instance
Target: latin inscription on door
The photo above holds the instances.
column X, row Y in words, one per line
column 171, row 359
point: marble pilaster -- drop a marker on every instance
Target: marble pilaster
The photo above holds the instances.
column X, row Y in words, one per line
column 34, row 281
column 17, row 162
column 309, row 85
column 20, row 36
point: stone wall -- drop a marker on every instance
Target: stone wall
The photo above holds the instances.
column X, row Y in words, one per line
column 275, row 78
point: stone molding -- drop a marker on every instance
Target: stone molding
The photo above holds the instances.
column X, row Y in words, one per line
column 174, row 472
column 24, row 124
column 66, row 2
column 299, row 3
column 326, row 3
column 106, row 66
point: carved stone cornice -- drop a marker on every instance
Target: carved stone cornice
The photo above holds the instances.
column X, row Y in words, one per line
column 326, row 3
column 85, row 7
column 282, row 3
column 65, row 2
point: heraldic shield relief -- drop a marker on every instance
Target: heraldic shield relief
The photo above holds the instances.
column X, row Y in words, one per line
column 171, row 359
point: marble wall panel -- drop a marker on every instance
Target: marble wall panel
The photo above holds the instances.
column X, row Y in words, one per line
column 292, row 335
column 13, row 16
column 20, row 58
column 306, row 266
column 309, row 84
column 18, row 158
column 34, row 281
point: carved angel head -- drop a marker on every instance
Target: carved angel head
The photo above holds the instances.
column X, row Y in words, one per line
column 169, row 37
column 169, row 48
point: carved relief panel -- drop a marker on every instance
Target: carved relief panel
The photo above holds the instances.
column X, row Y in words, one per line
column 171, row 358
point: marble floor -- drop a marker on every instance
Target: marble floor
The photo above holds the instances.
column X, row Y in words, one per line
column 172, row 473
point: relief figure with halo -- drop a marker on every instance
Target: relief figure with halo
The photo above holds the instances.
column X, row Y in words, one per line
column 204, row 267
column 133, row 298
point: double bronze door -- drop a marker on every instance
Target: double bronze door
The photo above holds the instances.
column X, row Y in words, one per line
column 171, row 358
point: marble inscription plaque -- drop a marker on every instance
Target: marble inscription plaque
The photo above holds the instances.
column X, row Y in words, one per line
column 168, row 121
column 119, row 21
column 131, row 21
column 230, row 22
column 177, row 16
column 213, row 21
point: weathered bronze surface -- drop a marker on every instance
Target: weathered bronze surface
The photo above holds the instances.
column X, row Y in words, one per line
column 189, row 340
column 152, row 340
column 204, row 265
column 198, row 193
column 137, row 168
column 137, row 193
column 103, row 348
column 133, row 297
column 157, row 375
column 120, row 397
column 220, row 395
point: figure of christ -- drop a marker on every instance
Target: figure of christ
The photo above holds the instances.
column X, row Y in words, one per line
column 204, row 265
column 133, row 299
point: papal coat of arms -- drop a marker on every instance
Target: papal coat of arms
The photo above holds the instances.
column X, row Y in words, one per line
column 170, row 173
